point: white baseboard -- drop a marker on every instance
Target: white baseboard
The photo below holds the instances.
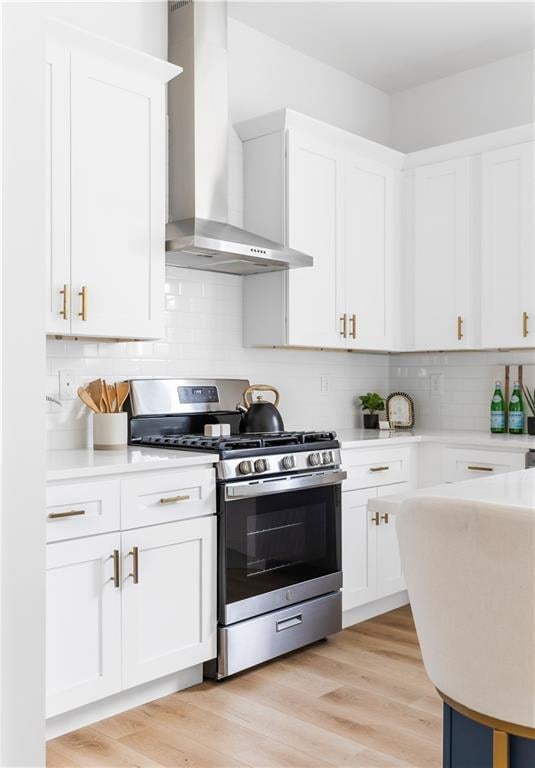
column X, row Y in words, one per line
column 376, row 608
column 120, row 702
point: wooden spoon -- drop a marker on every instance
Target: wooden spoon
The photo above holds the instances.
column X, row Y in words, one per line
column 112, row 398
column 122, row 389
column 86, row 399
column 95, row 390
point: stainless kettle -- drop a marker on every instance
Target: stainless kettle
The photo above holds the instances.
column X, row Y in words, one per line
column 260, row 415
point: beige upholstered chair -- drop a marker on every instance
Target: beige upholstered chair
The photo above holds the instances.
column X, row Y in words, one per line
column 470, row 571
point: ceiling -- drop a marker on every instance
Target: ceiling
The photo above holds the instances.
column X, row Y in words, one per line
column 394, row 46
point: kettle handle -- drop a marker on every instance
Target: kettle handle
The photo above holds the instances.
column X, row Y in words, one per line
column 247, row 399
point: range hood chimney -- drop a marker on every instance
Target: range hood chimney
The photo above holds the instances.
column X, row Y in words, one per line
column 199, row 235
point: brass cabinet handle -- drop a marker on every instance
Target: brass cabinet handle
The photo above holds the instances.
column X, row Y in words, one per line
column 83, row 294
column 525, row 318
column 375, row 518
column 378, row 469
column 481, row 469
column 65, row 310
column 460, row 334
column 71, row 513
column 174, row 499
column 116, row 577
column 353, row 324
column 385, row 517
column 135, row 564
column 343, row 320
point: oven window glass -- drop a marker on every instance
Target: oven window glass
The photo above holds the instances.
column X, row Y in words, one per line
column 275, row 541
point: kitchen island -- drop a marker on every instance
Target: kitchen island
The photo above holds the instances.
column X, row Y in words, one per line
column 467, row 550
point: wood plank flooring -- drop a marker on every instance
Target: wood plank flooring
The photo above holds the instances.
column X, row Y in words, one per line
column 359, row 700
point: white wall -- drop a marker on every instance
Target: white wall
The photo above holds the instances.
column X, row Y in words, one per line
column 266, row 75
column 141, row 25
column 204, row 338
column 480, row 100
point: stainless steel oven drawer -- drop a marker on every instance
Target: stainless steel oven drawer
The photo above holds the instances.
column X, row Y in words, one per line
column 253, row 641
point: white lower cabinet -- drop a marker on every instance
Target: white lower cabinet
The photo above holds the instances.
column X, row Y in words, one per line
column 169, row 586
column 129, row 607
column 390, row 577
column 83, row 622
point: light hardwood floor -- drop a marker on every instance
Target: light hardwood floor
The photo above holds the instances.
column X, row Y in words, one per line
column 361, row 700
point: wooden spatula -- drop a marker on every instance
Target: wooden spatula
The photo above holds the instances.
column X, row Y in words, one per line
column 122, row 389
column 95, row 390
column 86, row 399
column 112, row 399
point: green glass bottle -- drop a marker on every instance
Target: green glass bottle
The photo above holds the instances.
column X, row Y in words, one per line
column 497, row 410
column 516, row 411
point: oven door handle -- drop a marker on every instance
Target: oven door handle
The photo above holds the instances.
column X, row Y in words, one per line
column 283, row 484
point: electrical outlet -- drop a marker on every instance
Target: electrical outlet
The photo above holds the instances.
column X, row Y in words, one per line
column 324, row 383
column 67, row 385
column 436, row 383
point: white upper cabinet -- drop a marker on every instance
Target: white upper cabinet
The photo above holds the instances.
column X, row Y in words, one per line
column 366, row 265
column 441, row 268
column 107, row 138
column 313, row 179
column 329, row 194
column 507, row 253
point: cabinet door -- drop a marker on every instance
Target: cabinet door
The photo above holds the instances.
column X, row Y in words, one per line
column 117, row 199
column 83, row 623
column 312, row 222
column 389, row 572
column 358, row 549
column 441, row 265
column 367, row 242
column 507, row 271
column 169, row 615
column 58, row 276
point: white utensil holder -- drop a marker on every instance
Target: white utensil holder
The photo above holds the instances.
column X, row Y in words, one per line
column 110, row 431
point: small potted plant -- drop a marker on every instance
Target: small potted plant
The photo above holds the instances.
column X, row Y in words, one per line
column 371, row 402
column 530, row 400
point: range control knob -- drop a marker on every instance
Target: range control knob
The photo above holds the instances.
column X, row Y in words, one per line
column 314, row 459
column 288, row 462
column 261, row 465
column 327, row 457
column 245, row 467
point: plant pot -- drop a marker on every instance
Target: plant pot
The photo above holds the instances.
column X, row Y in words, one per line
column 531, row 425
column 371, row 421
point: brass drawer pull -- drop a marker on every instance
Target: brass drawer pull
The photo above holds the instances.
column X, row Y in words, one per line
column 481, row 469
column 353, row 326
column 65, row 310
column 343, row 331
column 174, row 499
column 116, row 577
column 460, row 334
column 83, row 294
column 525, row 318
column 71, row 513
column 378, row 469
column 135, row 564
column 376, row 518
column 385, row 517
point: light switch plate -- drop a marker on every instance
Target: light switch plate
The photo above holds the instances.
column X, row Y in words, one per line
column 67, row 385
column 436, row 384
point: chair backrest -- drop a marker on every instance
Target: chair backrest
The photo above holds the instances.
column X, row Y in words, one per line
column 470, row 571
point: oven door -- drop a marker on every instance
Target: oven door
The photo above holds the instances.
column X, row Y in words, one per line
column 279, row 542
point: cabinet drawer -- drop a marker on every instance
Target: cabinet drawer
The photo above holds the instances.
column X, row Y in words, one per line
column 370, row 469
column 166, row 497
column 82, row 509
column 469, row 464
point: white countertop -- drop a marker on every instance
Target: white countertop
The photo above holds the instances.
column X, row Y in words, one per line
column 512, row 489
column 357, row 438
column 69, row 464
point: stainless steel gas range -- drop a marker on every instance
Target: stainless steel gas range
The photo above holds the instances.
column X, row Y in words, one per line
column 279, row 518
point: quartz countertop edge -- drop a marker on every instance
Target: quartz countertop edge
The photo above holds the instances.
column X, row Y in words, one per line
column 82, row 463
column 511, row 489
column 358, row 438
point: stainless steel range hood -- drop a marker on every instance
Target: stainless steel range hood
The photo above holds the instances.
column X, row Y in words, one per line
column 200, row 235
